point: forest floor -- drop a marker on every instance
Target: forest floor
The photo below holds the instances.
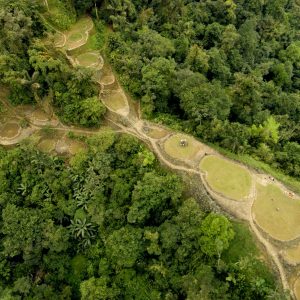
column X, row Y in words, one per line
column 123, row 116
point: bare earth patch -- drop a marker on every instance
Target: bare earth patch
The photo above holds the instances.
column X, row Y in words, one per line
column 276, row 213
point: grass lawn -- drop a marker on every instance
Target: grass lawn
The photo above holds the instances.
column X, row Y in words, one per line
column 227, row 178
column 292, row 254
column 174, row 149
column 82, row 25
column 39, row 115
column 58, row 39
column 88, row 59
column 9, row 130
column 91, row 45
column 77, row 32
column 76, row 146
column 47, row 145
column 115, row 101
column 277, row 213
column 75, row 37
column 242, row 245
column 157, row 133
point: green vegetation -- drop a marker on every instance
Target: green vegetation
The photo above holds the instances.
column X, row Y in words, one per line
column 47, row 145
column 277, row 213
column 290, row 182
column 225, row 71
column 88, row 59
column 75, row 37
column 107, row 222
column 242, row 245
column 226, row 177
column 61, row 13
column 173, row 147
column 34, row 69
column 111, row 224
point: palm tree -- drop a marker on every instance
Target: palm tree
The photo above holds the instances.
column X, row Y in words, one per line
column 82, row 229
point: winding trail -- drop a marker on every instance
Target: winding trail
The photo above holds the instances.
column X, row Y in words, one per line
column 130, row 122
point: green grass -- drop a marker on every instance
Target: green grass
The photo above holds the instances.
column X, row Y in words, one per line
column 91, row 45
column 88, row 59
column 47, row 145
column 75, row 37
column 61, row 14
column 248, row 160
column 226, row 177
column 242, row 245
column 157, row 133
column 174, row 149
column 277, row 213
column 292, row 254
column 77, row 31
column 82, row 25
column 9, row 130
column 76, row 146
column 116, row 101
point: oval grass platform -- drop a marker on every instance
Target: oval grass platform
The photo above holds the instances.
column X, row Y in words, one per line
column 226, row 177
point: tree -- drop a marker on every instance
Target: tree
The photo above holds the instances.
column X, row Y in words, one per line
column 246, row 97
column 197, row 59
column 124, row 247
column 156, row 78
column 83, row 231
column 152, row 44
column 217, row 233
column 248, row 40
column 97, row 289
column 16, row 30
column 205, row 102
column 153, row 195
column 23, row 232
column 92, row 112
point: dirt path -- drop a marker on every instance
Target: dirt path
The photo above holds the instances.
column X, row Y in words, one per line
column 134, row 126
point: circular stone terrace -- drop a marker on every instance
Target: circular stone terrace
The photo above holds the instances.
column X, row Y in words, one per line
column 277, row 212
column 226, row 177
column 182, row 147
column 10, row 130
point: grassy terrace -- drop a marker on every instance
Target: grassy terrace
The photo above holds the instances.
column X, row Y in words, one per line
column 226, row 177
column 277, row 213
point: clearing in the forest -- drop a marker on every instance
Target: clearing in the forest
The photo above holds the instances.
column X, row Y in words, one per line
column 276, row 212
column 115, row 101
column 226, row 177
column 174, row 147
